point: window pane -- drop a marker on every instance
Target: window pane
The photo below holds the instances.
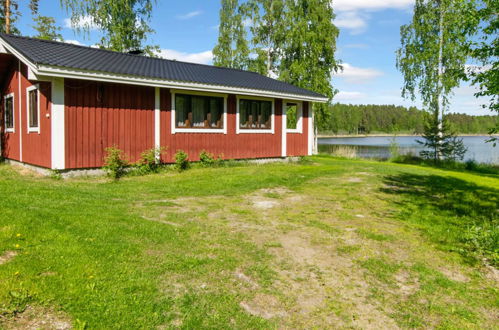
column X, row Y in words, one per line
column 33, row 108
column 243, row 114
column 181, row 110
column 266, row 113
column 9, row 113
column 216, row 112
column 291, row 115
column 198, row 112
column 254, row 114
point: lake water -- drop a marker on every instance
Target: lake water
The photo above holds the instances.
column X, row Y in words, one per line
column 379, row 147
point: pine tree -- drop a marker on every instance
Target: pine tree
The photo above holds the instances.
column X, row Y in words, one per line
column 232, row 49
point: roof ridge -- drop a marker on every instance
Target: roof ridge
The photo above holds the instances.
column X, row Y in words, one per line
column 122, row 53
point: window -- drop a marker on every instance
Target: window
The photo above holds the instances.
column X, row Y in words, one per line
column 293, row 117
column 9, row 113
column 199, row 111
column 33, row 109
column 255, row 114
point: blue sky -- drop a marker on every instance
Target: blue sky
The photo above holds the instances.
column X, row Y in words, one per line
column 369, row 35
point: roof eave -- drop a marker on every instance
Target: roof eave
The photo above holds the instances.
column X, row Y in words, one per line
column 53, row 71
column 61, row 72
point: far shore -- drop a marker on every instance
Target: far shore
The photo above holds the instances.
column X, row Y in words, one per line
column 320, row 136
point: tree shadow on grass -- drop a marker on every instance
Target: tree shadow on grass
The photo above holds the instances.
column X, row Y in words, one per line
column 458, row 215
column 447, row 195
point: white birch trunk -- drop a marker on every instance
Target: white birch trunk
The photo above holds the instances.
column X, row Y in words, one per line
column 440, row 106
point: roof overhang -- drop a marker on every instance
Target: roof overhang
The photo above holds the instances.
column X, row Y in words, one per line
column 41, row 72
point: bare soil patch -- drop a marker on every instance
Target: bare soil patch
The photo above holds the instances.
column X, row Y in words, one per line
column 7, row 256
column 35, row 318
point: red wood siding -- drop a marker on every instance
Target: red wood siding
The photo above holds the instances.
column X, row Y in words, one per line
column 10, row 141
column 35, row 146
column 297, row 143
column 100, row 115
column 230, row 145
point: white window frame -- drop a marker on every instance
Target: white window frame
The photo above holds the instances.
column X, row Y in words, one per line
column 13, row 129
column 174, row 127
column 28, row 90
column 255, row 131
column 299, row 116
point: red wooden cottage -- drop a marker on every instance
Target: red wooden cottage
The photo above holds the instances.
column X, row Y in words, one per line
column 63, row 104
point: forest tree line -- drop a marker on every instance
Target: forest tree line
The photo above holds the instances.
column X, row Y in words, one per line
column 392, row 119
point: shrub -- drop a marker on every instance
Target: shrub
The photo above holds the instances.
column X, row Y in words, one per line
column 482, row 241
column 219, row 162
column 115, row 163
column 149, row 161
column 207, row 159
column 181, row 160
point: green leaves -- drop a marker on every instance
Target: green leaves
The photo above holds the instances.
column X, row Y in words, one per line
column 124, row 23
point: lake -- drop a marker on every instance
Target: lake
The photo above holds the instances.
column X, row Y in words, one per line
column 379, row 146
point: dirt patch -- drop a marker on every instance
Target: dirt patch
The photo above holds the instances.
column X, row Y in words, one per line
column 454, row 275
column 33, row 318
column 246, row 279
column 7, row 256
column 407, row 285
column 264, row 306
column 354, row 179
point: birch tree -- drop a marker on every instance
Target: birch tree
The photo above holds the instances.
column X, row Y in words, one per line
column 308, row 54
column 268, row 28
column 232, row 49
column 432, row 60
column 485, row 50
column 124, row 23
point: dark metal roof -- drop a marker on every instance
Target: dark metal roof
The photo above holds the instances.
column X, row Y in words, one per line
column 59, row 54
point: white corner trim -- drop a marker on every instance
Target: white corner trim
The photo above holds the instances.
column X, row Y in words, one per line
column 299, row 116
column 58, row 138
column 310, row 129
column 284, row 142
column 255, row 131
column 175, row 130
column 13, row 129
column 20, row 111
column 157, row 118
column 28, row 90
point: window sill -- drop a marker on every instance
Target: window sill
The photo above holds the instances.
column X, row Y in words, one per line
column 10, row 130
column 295, row 131
column 199, row 130
column 33, row 130
column 255, row 131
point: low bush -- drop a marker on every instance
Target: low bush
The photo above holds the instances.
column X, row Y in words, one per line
column 181, row 160
column 206, row 159
column 149, row 161
column 115, row 163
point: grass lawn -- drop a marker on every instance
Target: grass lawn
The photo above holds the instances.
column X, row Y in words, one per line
column 324, row 243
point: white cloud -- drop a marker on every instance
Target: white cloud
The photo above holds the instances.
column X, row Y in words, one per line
column 203, row 57
column 356, row 75
column 353, row 21
column 348, row 96
column 190, row 14
column 83, row 22
column 354, row 5
column 352, row 14
column 74, row 42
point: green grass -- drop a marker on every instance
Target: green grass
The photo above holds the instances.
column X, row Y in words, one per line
column 190, row 249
